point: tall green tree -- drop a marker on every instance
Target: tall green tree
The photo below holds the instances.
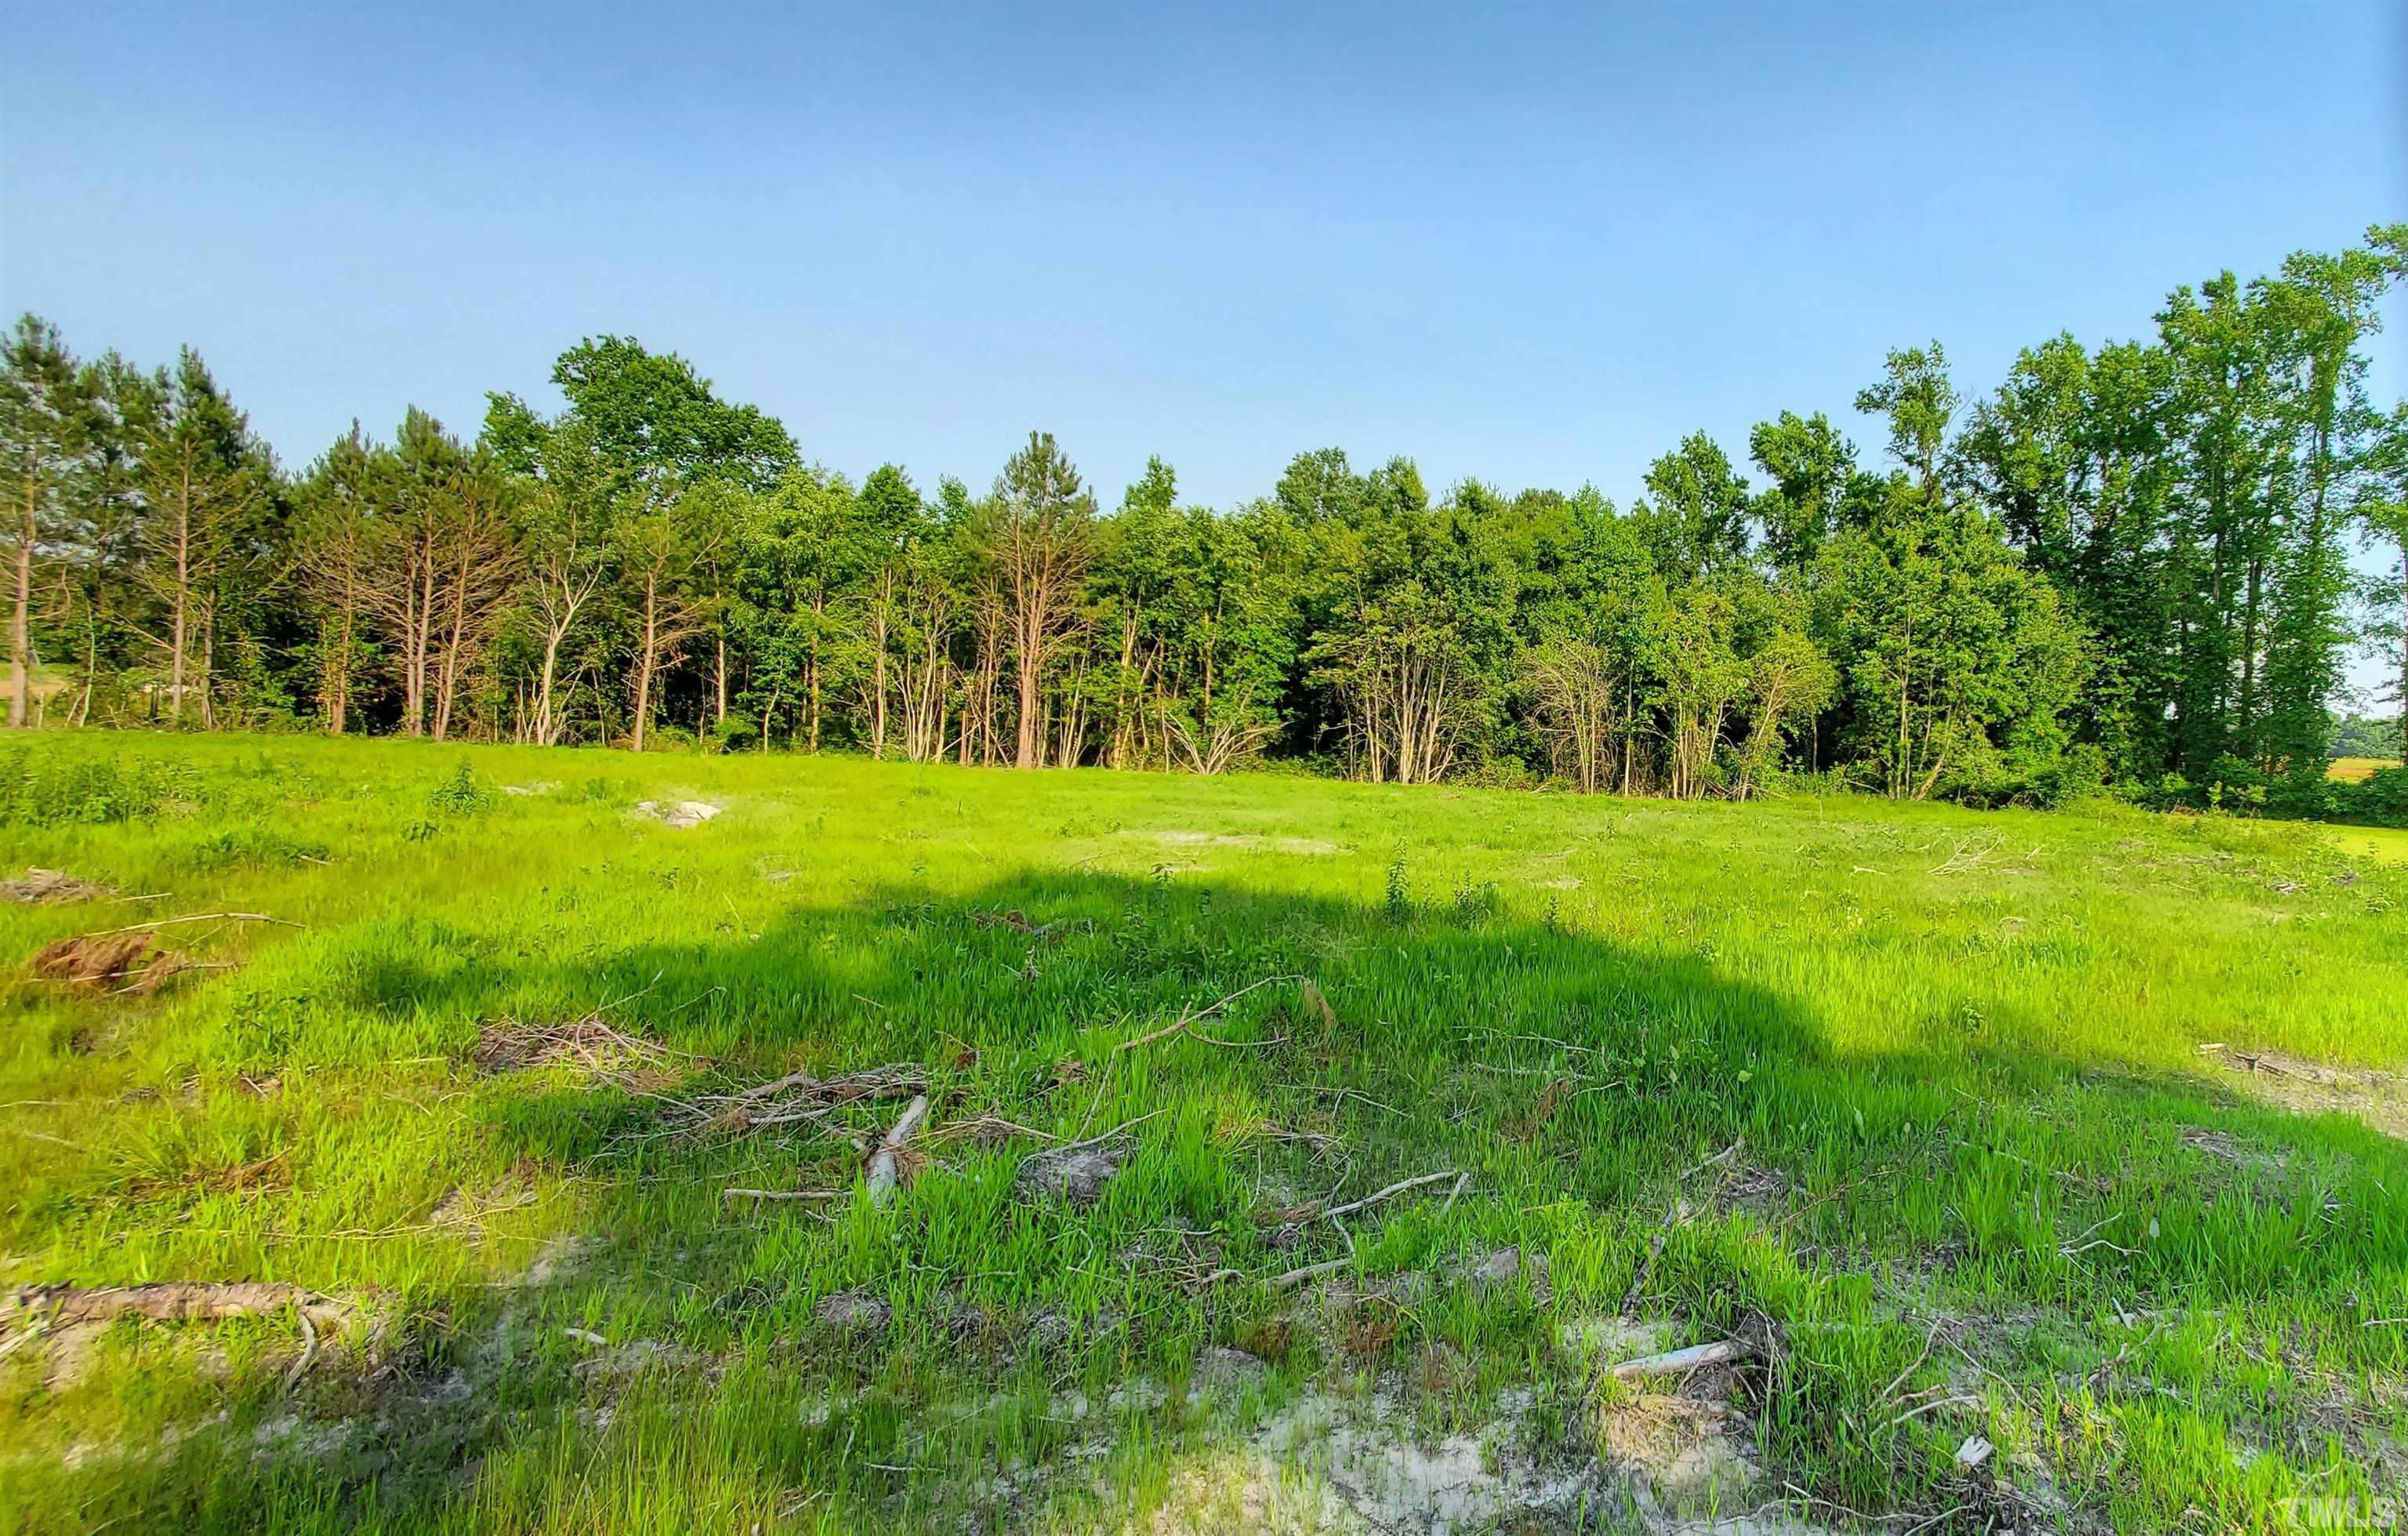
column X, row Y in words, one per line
column 39, row 428
column 1037, row 538
column 2382, row 510
column 206, row 483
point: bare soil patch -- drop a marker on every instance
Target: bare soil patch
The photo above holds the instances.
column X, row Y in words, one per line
column 2316, row 1087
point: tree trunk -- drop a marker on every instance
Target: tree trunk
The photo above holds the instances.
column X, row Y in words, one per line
column 644, row 662
column 338, row 670
column 182, row 601
column 20, row 644
column 207, row 666
column 543, row 727
column 2247, row 715
column 1029, row 660
column 450, row 679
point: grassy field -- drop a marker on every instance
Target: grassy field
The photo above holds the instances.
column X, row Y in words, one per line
column 2076, row 1135
column 2354, row 770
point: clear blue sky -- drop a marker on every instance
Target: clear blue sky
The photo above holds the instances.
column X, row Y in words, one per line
column 1534, row 244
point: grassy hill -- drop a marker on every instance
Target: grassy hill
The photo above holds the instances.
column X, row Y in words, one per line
column 551, row 1078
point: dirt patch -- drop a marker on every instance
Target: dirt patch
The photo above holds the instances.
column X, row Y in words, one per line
column 41, row 887
column 110, row 962
column 2313, row 1087
column 854, row 1313
column 1299, row 846
column 1331, row 1463
column 1076, row 1174
column 678, row 813
column 2226, row 1147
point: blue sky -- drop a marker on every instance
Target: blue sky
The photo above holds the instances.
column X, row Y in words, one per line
column 1534, row 244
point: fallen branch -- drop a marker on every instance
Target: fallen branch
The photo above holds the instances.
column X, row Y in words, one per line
column 797, row 1097
column 1188, row 1019
column 886, row 1163
column 174, row 1302
column 1932, row 1407
column 782, row 1194
column 1725, row 1154
column 1098, row 1141
column 1396, row 1188
column 1680, row 1362
column 309, row 1350
column 896, row 1079
column 2079, row 1245
column 196, row 917
column 1298, row 1277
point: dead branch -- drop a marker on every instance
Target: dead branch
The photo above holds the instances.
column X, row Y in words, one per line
column 196, row 917
column 1298, row 1277
column 1673, row 1218
column 896, row 1080
column 309, row 1350
column 797, row 1097
column 759, row 1195
column 886, row 1163
column 1188, row 1019
column 1959, row 1400
column 1396, row 1188
column 1098, row 1141
column 2079, row 1245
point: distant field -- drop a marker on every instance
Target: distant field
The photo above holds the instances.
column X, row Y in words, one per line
column 2354, row 770
column 2077, row 1136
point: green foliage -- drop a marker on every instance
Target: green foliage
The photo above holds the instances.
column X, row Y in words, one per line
column 44, row 788
column 460, row 795
column 2126, row 563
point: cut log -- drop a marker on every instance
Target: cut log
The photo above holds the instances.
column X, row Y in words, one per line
column 1680, row 1362
column 886, row 1163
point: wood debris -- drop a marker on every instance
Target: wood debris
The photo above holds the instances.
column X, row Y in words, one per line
column 125, row 961
column 796, row 1098
column 606, row 1054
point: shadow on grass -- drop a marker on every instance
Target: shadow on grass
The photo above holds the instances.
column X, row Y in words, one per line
column 1573, row 1080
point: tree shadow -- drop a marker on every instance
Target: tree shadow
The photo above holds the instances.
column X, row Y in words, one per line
column 806, row 1349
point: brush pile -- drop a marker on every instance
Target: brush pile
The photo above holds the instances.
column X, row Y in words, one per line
column 130, row 961
column 602, row 1053
column 796, row 1098
column 41, row 887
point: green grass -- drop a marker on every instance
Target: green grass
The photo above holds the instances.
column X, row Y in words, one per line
column 1952, row 1047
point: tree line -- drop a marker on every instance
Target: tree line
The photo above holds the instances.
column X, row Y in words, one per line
column 2125, row 568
